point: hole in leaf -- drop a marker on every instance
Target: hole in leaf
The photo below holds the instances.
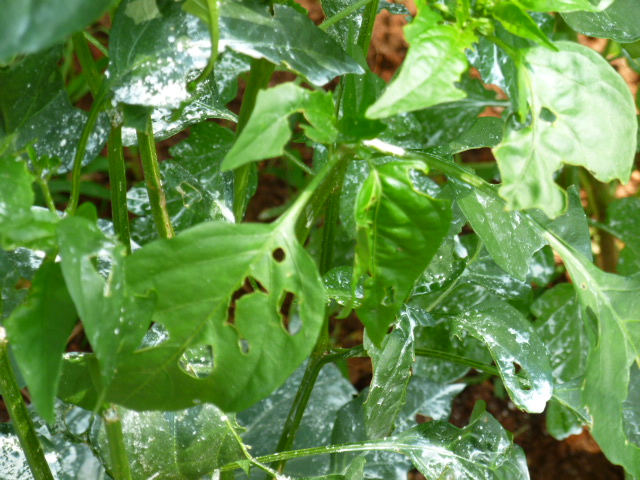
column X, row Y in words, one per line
column 517, row 368
column 547, row 115
column 278, row 255
column 249, row 286
column 285, row 310
column 197, row 361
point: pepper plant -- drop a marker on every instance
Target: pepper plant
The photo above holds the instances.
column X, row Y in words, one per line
column 212, row 349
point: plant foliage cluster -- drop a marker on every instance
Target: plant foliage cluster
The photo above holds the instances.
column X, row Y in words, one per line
column 210, row 348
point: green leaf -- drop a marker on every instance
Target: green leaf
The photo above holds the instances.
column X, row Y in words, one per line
column 513, row 344
column 15, row 266
column 36, row 109
column 245, row 359
column 435, row 61
column 481, row 450
column 614, row 301
column 269, row 124
column 186, row 444
column 26, row 27
column 580, row 116
column 153, row 47
column 21, row 224
column 517, row 21
column 563, row 5
column 484, row 132
column 249, row 28
column 390, row 257
column 93, row 267
column 620, row 22
column 560, row 326
column 38, row 331
column 511, row 241
column 446, row 125
column 391, row 372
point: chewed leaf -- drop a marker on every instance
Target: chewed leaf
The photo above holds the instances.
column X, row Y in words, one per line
column 114, row 318
column 236, row 282
column 435, row 61
column 514, row 345
column 584, row 115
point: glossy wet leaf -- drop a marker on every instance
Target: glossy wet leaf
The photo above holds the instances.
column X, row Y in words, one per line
column 153, row 47
column 21, row 224
column 499, row 228
column 516, row 21
column 114, row 319
column 26, row 27
column 186, row 444
column 202, row 104
column 264, row 421
column 67, row 456
column 484, row 132
column 37, row 111
column 249, row 28
column 38, row 331
column 16, row 266
column 391, row 372
column 623, row 220
column 429, row 399
column 269, row 123
column 435, row 61
column 580, row 116
column 514, row 345
column 614, row 302
column 482, row 450
column 392, row 258
column 620, row 22
column 249, row 358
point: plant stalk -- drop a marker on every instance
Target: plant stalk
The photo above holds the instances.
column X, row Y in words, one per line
column 259, row 76
column 118, row 180
column 117, row 451
column 151, row 169
column 86, row 62
column 82, row 148
column 343, row 14
column 20, row 418
column 213, row 14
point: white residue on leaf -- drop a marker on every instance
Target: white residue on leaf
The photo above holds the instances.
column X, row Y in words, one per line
column 385, row 147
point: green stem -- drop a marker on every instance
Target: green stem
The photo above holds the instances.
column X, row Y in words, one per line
column 151, row 169
column 20, row 418
column 82, row 148
column 118, row 179
column 343, row 14
column 331, row 218
column 259, row 76
column 213, row 15
column 382, row 444
column 117, row 451
column 86, row 62
column 46, row 193
column 96, row 43
column 450, row 357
